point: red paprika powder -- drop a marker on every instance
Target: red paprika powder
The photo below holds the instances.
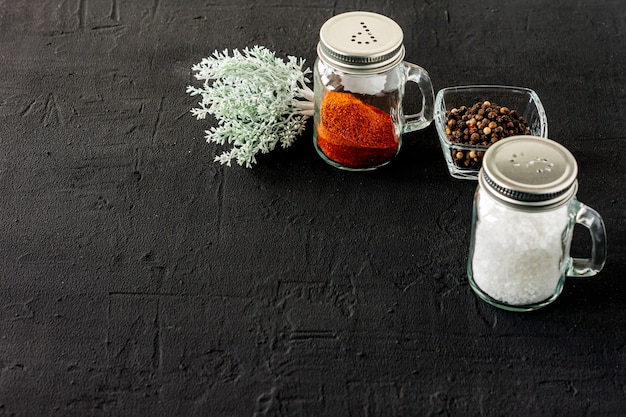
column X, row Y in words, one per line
column 353, row 133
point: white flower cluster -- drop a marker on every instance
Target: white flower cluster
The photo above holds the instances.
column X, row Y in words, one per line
column 256, row 99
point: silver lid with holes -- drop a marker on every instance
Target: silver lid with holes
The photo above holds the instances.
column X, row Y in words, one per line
column 529, row 171
column 361, row 42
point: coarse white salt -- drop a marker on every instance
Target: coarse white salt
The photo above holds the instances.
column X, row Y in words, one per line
column 518, row 256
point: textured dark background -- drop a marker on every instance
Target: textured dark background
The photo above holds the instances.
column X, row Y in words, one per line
column 140, row 278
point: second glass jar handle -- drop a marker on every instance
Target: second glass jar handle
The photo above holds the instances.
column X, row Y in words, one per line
column 586, row 267
column 422, row 119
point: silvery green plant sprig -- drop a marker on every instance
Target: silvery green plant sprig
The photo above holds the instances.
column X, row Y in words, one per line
column 258, row 99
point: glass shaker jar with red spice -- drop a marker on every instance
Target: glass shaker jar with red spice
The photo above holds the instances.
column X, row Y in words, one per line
column 360, row 78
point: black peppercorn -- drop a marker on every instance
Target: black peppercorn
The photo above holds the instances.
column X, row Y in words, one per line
column 483, row 123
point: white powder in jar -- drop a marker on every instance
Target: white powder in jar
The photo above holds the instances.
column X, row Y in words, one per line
column 518, row 255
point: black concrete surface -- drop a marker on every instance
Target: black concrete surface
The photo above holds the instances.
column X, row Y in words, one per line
column 139, row 278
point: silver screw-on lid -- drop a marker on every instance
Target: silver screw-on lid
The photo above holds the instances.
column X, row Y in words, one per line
column 529, row 171
column 361, row 42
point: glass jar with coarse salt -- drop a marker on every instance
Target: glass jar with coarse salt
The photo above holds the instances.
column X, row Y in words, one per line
column 525, row 209
column 359, row 81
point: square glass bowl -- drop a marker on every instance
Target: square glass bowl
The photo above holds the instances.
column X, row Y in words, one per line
column 525, row 101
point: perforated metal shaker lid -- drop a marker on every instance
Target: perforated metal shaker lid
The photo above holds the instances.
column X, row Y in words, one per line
column 361, row 42
column 529, row 171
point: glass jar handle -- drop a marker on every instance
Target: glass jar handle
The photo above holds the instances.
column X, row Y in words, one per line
column 587, row 267
column 422, row 119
